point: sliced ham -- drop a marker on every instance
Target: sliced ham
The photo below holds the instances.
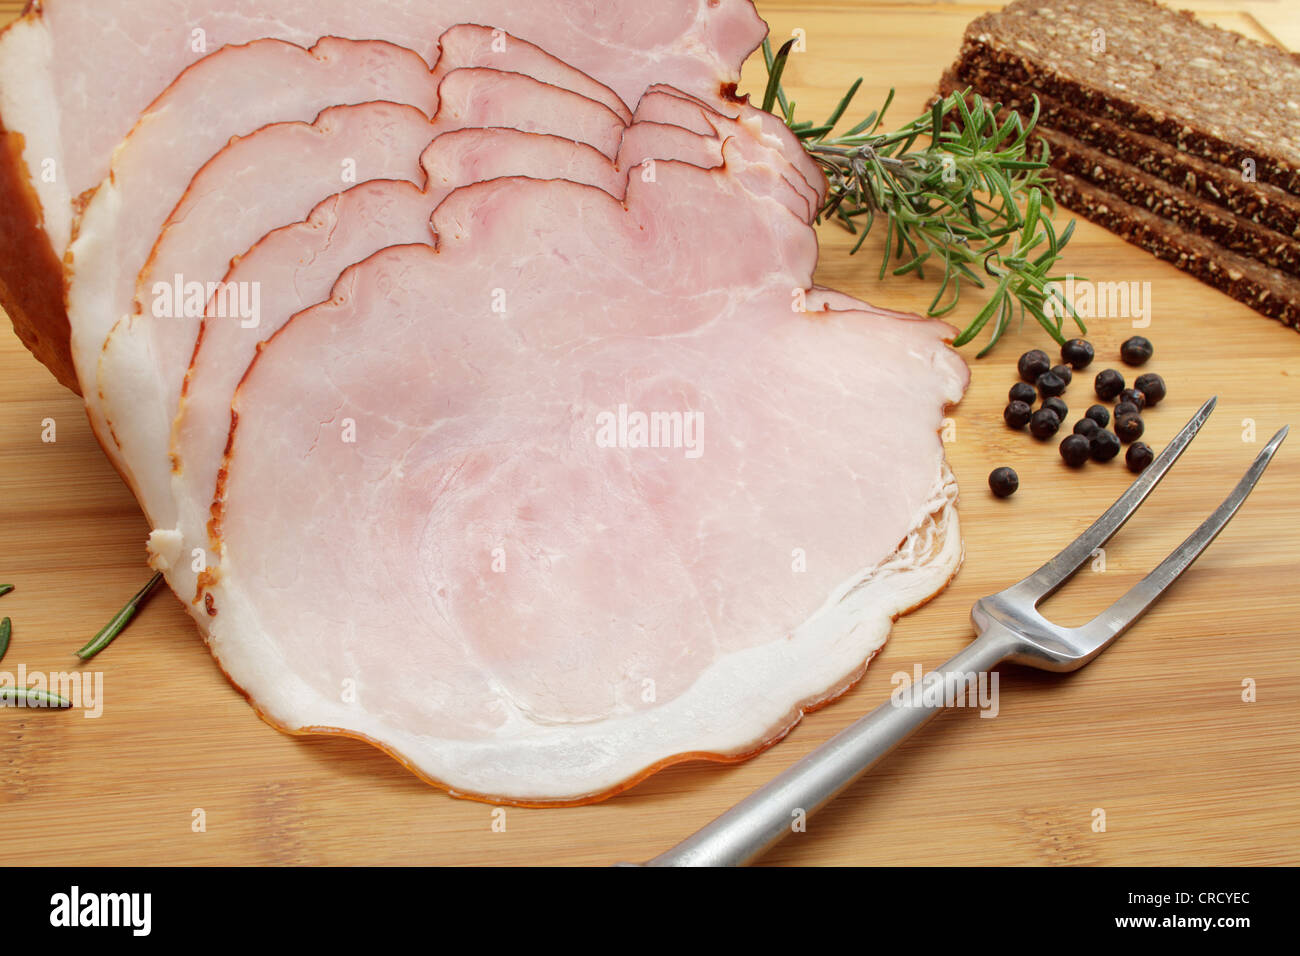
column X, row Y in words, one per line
column 276, row 176
column 75, row 76
column 762, row 172
column 438, row 509
column 761, row 125
column 265, row 82
column 418, row 503
column 468, row 44
column 296, row 265
column 134, row 368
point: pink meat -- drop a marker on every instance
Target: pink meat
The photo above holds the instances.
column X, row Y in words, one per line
column 468, row 44
column 762, row 173
column 726, row 117
column 266, row 180
column 295, row 266
column 76, row 72
column 533, row 612
column 265, row 82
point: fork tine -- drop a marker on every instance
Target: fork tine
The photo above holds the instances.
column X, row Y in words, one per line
column 1116, row 619
column 1058, row 570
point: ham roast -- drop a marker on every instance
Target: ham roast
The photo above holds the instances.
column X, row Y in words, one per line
column 477, row 414
column 254, row 185
column 438, row 541
column 296, row 265
column 75, row 75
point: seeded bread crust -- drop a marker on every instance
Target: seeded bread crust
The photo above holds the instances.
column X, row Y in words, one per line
column 1263, row 288
column 1233, row 232
column 1203, row 90
column 1259, row 202
column 1178, row 206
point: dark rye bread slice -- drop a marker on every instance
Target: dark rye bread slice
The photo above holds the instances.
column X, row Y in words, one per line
column 1180, row 207
column 1134, row 186
column 1205, row 91
column 1259, row 202
column 1261, row 287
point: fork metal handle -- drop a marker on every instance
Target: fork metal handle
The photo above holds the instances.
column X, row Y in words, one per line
column 761, row 820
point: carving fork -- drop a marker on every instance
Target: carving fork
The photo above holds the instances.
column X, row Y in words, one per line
column 1009, row 628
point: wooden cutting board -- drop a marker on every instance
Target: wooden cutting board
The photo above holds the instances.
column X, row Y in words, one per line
column 1155, row 733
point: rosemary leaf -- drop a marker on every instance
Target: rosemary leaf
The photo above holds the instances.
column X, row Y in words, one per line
column 31, row 697
column 775, row 70
column 950, row 186
column 5, row 589
column 6, row 628
column 119, row 622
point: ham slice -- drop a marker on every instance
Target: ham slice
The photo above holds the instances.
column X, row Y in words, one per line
column 767, row 134
column 133, row 367
column 763, row 156
column 435, row 536
column 126, row 213
column 63, row 119
column 296, row 265
column 231, row 203
column 568, row 428
column 468, row 44
column 286, row 166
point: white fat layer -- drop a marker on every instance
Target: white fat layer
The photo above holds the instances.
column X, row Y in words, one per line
column 28, row 106
column 164, row 551
column 739, row 703
column 103, row 260
column 96, row 269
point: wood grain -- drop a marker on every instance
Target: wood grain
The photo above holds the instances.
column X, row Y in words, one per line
column 1155, row 732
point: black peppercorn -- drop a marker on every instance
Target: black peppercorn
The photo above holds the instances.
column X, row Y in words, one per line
column 1017, row 414
column 1152, row 386
column 1044, row 424
column 1104, row 445
column 1078, row 352
column 1050, row 384
column 1135, row 396
column 1136, row 351
column 1099, row 414
column 1003, row 482
column 1086, row 427
column 1063, row 372
column 1075, row 450
column 1139, row 455
column 1108, row 384
column 1033, row 364
column 1129, row 428
column 1023, row 392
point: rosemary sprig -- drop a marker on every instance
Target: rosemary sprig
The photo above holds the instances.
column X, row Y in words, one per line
column 31, row 697
column 950, row 185
column 120, row 620
column 6, row 629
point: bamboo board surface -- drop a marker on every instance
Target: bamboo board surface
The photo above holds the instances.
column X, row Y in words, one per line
column 1155, row 733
